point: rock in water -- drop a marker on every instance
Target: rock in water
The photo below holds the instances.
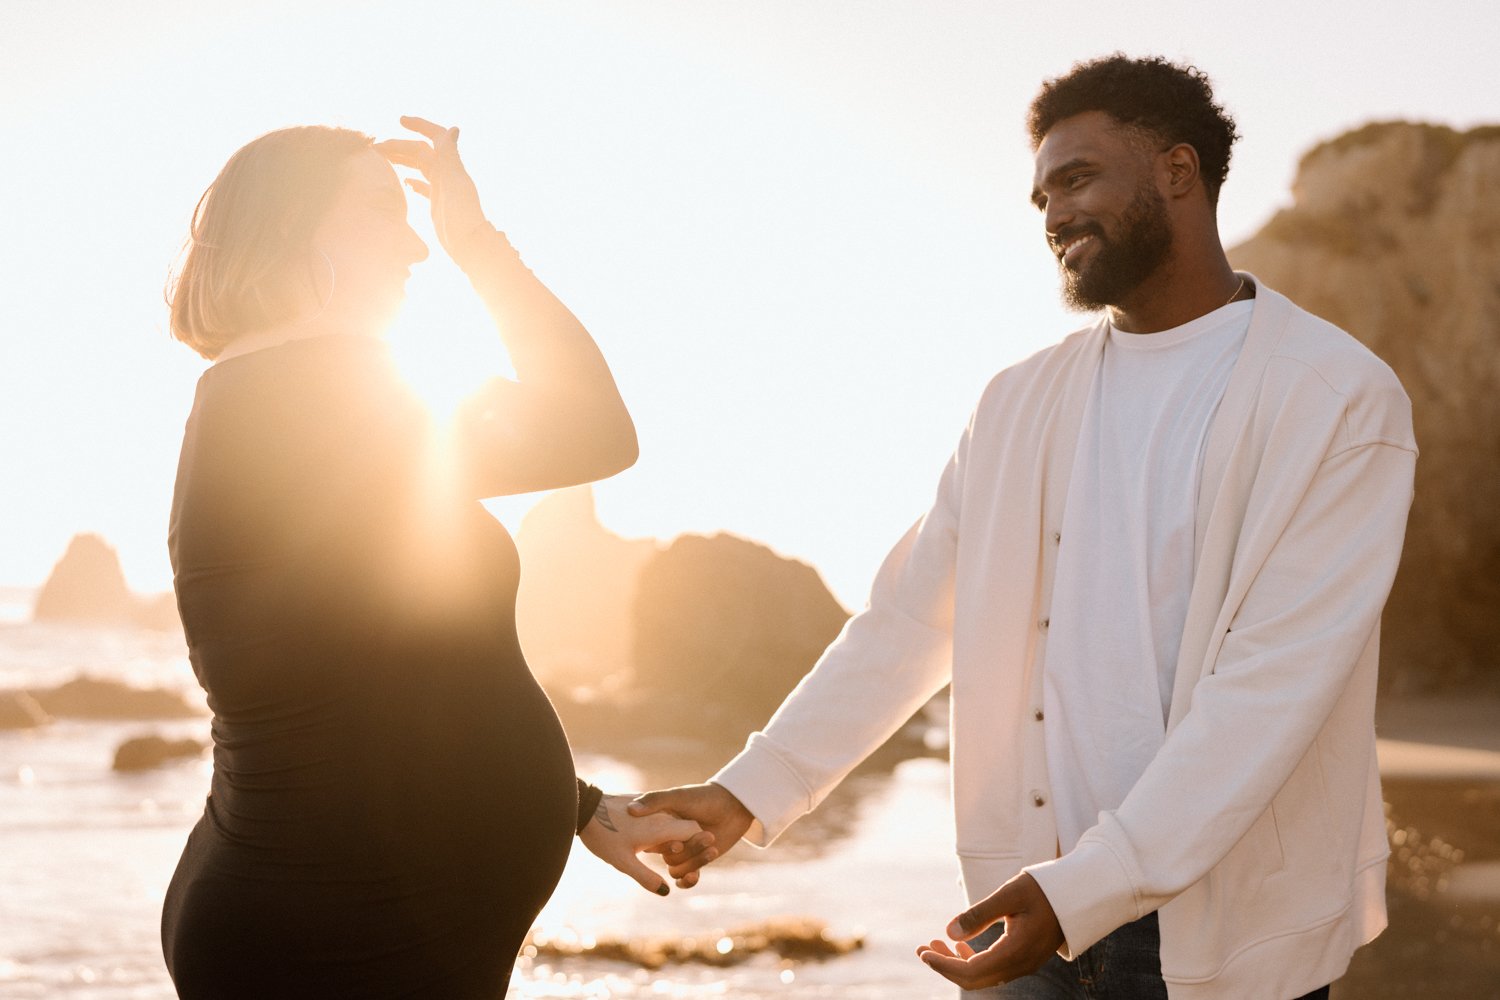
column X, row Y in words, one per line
column 578, row 583
column 142, row 753
column 87, row 585
column 792, row 939
column 1394, row 235
column 95, row 698
column 19, row 710
column 158, row 613
column 724, row 628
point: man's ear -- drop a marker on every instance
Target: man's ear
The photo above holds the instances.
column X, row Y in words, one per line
column 1180, row 169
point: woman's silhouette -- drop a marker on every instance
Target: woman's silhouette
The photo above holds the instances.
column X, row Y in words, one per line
column 393, row 798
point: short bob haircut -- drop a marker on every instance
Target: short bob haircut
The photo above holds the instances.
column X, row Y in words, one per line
column 1168, row 102
column 246, row 254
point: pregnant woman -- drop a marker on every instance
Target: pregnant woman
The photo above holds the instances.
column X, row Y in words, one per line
column 393, row 798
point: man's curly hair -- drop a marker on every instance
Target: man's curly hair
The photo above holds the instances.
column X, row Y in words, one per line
column 1171, row 103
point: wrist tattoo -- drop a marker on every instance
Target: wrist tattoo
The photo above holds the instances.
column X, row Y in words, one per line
column 601, row 813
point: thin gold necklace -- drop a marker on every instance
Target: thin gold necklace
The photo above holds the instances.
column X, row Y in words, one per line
column 1238, row 288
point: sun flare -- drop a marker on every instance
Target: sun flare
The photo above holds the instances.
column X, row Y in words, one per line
column 443, row 342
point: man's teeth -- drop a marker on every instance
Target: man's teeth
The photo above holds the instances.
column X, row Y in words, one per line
column 1070, row 247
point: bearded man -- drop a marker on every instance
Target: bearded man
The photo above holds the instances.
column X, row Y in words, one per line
column 1153, row 574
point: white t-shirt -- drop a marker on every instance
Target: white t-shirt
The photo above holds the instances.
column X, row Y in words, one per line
column 1125, row 564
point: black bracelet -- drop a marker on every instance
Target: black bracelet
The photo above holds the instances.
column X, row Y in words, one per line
column 588, row 801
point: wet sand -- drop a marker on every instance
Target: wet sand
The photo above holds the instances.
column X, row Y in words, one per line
column 1440, row 764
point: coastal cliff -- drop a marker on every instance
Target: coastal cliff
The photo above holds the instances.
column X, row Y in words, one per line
column 1394, row 234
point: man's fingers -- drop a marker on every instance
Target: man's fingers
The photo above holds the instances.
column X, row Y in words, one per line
column 973, row 970
column 952, row 968
column 682, row 831
column 688, row 881
column 693, row 863
column 676, row 854
column 650, row 802
column 690, row 848
column 996, row 906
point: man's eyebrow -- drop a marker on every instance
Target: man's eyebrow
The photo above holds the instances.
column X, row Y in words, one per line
column 1054, row 174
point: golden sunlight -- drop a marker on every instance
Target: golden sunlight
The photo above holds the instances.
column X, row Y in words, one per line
column 443, row 341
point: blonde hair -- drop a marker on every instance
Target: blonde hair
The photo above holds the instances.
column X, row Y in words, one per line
column 245, row 258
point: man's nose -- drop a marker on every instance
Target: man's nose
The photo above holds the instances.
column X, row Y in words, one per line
column 1059, row 214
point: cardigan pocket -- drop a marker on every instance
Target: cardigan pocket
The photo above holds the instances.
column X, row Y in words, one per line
column 1261, row 846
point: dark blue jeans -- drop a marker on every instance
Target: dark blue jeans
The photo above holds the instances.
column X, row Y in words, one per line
column 1125, row 965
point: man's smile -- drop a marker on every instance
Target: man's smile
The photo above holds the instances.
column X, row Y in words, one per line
column 1068, row 249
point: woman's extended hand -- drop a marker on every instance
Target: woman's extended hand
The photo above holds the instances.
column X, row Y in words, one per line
column 617, row 837
column 456, row 213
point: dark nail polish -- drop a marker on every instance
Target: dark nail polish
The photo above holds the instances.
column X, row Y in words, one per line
column 662, row 889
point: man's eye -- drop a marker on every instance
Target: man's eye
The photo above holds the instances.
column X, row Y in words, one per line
column 1076, row 179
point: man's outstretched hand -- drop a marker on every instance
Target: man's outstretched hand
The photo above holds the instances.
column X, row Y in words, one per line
column 1032, row 935
column 713, row 808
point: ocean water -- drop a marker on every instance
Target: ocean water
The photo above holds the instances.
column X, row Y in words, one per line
column 86, row 854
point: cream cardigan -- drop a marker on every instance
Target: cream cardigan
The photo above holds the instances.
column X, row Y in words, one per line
column 1258, row 831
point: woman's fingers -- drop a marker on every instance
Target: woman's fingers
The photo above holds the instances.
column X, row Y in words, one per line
column 637, row 869
column 406, row 152
column 455, row 207
column 672, row 828
column 429, row 129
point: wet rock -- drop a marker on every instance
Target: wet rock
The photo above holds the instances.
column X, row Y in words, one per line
column 578, row 585
column 790, row 938
column 142, row 753
column 19, row 710
column 724, row 629
column 97, row 698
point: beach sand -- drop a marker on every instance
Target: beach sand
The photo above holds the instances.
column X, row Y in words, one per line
column 1440, row 764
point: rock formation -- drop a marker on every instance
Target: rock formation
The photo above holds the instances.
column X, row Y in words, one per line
column 88, row 587
column 158, row 613
column 577, row 588
column 97, row 698
column 724, row 629
column 1394, row 235
column 19, row 710
column 142, row 753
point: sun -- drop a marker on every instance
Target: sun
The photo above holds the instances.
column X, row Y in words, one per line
column 443, row 341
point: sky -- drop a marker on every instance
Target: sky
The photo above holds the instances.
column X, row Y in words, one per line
column 798, row 229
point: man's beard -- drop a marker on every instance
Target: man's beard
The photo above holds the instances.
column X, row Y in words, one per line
column 1119, row 265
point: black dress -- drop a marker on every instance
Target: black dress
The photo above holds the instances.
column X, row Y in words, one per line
column 393, row 798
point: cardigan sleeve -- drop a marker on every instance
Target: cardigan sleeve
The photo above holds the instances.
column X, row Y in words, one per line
column 887, row 662
column 1291, row 649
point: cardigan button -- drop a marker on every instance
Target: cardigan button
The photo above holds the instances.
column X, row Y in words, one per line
column 1039, row 715
column 1038, row 799
column 1044, row 623
column 1056, row 537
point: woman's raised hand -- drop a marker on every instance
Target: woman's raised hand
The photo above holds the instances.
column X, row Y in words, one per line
column 456, row 213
